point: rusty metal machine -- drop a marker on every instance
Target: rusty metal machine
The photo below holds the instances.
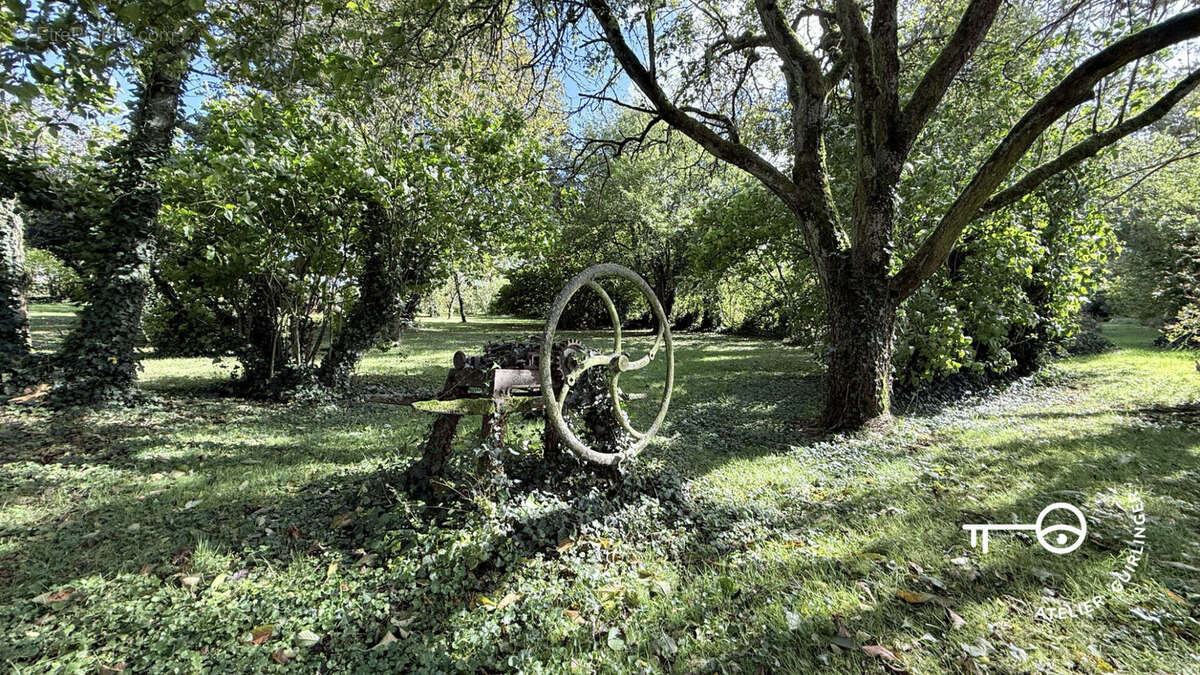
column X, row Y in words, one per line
column 558, row 379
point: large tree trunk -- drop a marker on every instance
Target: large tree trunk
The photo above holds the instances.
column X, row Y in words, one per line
column 664, row 288
column 861, row 320
column 15, row 344
column 99, row 359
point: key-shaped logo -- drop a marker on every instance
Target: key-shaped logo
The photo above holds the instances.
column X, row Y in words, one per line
column 1054, row 538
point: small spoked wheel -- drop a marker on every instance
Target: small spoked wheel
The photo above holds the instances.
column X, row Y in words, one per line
column 615, row 362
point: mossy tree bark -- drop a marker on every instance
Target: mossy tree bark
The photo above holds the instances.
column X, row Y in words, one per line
column 15, row 341
column 861, row 332
column 99, row 360
column 394, row 268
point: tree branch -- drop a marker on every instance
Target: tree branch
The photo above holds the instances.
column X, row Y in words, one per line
column 1074, row 89
column 1149, row 171
column 858, row 43
column 797, row 60
column 1090, row 146
column 734, row 153
column 805, row 86
column 885, row 45
column 806, row 91
column 736, row 44
column 972, row 28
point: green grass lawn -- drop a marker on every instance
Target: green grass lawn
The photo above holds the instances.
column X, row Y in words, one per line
column 209, row 533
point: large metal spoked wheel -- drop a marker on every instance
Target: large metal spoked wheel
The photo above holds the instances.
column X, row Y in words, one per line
column 616, row 362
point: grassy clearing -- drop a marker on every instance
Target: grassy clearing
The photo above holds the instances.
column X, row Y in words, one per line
column 211, row 533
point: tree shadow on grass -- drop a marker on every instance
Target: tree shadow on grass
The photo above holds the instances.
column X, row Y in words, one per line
column 346, row 517
column 307, row 525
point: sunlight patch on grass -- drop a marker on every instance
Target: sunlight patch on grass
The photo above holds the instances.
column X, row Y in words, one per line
column 736, row 539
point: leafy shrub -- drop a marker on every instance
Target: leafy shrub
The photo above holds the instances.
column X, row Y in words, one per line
column 293, row 242
column 1182, row 285
column 1009, row 295
column 753, row 275
column 1184, row 330
column 186, row 330
column 531, row 290
column 1089, row 340
column 51, row 279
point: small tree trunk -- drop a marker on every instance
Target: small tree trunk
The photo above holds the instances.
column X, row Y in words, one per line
column 861, row 320
column 462, row 314
column 388, row 279
column 15, row 341
column 666, row 296
column 260, row 329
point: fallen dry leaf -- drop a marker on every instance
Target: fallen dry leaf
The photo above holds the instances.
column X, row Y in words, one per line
column 508, row 600
column 61, row 595
column 889, row 660
column 916, row 597
column 387, row 639
column 31, row 394
column 878, row 651
column 956, row 621
column 260, row 634
column 1103, row 666
column 1176, row 598
column 967, row 665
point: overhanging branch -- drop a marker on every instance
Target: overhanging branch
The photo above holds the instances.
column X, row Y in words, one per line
column 1090, row 146
column 720, row 147
column 972, row 28
column 1074, row 89
column 797, row 60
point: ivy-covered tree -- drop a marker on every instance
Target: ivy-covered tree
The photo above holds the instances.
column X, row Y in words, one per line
column 99, row 359
column 15, row 342
column 69, row 51
column 303, row 230
column 53, row 68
